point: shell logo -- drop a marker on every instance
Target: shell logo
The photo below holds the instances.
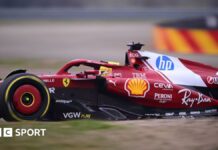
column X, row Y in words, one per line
column 137, row 87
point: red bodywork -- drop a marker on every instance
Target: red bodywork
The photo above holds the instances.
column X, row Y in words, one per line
column 148, row 84
column 151, row 88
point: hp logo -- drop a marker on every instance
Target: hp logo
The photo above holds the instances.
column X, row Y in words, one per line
column 164, row 63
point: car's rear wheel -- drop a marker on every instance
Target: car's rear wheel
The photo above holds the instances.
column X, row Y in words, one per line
column 23, row 97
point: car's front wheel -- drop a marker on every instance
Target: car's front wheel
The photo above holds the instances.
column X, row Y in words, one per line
column 23, row 97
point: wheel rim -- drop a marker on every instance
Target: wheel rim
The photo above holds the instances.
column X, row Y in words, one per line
column 27, row 99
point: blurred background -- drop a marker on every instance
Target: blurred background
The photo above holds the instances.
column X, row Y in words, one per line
column 42, row 35
column 51, row 32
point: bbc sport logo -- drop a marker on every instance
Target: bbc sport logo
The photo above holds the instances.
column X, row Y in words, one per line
column 10, row 132
column 164, row 63
column 6, row 132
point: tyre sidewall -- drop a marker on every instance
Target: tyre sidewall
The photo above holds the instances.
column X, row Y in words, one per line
column 7, row 90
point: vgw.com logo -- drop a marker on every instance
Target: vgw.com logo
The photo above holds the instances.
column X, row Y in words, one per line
column 164, row 63
column 10, row 132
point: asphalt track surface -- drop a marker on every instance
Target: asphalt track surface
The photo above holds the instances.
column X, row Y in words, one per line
column 106, row 13
column 66, row 40
column 105, row 40
column 70, row 40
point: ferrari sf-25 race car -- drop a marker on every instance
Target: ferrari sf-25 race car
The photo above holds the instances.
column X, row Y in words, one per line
column 148, row 85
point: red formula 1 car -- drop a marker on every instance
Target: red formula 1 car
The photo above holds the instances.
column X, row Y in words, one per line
column 148, row 85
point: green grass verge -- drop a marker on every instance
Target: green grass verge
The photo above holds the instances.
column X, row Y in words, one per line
column 33, row 63
column 77, row 134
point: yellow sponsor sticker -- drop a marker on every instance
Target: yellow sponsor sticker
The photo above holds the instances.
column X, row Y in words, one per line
column 66, row 82
column 113, row 63
column 137, row 87
column 105, row 71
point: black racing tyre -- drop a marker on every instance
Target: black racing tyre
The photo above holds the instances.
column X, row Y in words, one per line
column 23, row 97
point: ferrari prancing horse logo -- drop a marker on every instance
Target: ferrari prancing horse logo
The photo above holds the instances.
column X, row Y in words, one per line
column 66, row 82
